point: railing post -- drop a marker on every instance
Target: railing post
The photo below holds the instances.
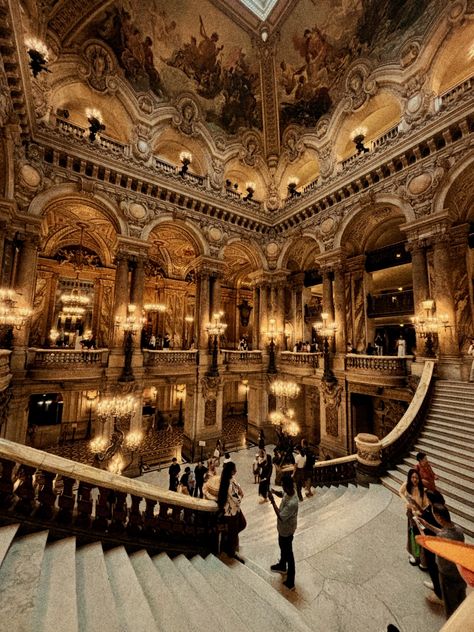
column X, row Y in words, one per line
column 369, row 457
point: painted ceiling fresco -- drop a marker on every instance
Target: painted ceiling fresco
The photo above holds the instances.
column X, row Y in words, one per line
column 170, row 48
column 321, row 40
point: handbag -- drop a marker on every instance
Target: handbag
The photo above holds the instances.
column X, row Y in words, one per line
column 242, row 522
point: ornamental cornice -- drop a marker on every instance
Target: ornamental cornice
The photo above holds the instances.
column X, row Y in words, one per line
column 426, row 227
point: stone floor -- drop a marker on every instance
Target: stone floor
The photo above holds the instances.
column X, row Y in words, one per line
column 352, row 568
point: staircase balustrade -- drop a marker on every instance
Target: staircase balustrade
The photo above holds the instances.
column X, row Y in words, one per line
column 61, row 358
column 5, row 375
column 242, row 357
column 167, row 357
column 45, row 491
column 381, row 365
column 303, row 359
column 340, row 470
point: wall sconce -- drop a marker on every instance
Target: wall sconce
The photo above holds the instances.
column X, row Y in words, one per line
column 292, row 184
column 264, row 34
column 38, row 54
column 250, row 188
column 358, row 136
column 186, row 159
column 94, row 118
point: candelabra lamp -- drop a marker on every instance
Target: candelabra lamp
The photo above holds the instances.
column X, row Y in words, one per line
column 96, row 126
column 215, row 329
column 327, row 331
column 250, row 188
column 427, row 326
column 11, row 316
column 272, row 332
column 283, row 418
column 130, row 326
column 186, row 159
column 38, row 54
column 292, row 188
column 358, row 137
column 112, row 450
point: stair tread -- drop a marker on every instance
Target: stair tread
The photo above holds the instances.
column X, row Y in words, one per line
column 57, row 588
column 128, row 593
column 445, row 467
column 224, row 615
column 19, row 579
column 95, row 600
column 7, row 533
column 433, row 442
column 186, row 599
column 166, row 611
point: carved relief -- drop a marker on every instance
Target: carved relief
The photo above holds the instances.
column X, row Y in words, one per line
column 359, row 87
column 210, row 412
column 187, row 115
column 5, row 398
column 38, row 318
column 332, row 394
column 100, row 67
column 251, row 152
column 105, row 315
column 292, row 143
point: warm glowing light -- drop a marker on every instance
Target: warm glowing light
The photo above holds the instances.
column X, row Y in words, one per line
column 116, row 465
column 98, row 445
column 283, row 388
column 359, row 131
column 133, row 440
column 293, row 180
column 94, row 113
column 186, row 157
column 36, row 44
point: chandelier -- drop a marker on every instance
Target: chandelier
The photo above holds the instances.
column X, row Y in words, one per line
column 216, row 327
column 132, row 323
column 427, row 326
column 74, row 302
column 283, row 388
column 10, row 314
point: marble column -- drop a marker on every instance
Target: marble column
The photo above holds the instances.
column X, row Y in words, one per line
column 121, row 296
column 136, row 295
column 204, row 308
column 216, row 294
column 443, row 295
column 280, row 309
column 340, row 308
column 256, row 335
column 263, row 308
column 461, row 282
column 328, row 300
column 419, row 266
column 357, row 309
column 26, row 271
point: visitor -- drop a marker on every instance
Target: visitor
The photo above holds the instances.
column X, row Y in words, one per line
column 413, row 493
column 217, row 453
column 200, row 472
column 370, row 350
column 261, row 440
column 227, row 458
column 427, row 521
column 184, row 481
column 401, row 347
column 152, row 342
column 266, row 470
column 470, row 352
column 453, row 586
column 173, row 472
column 424, row 469
column 166, row 342
column 308, row 467
column 287, row 518
column 256, row 469
column 228, row 500
column 299, row 471
column 378, row 342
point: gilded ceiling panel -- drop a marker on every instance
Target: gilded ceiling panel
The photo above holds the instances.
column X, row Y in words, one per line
column 172, row 245
column 320, row 41
column 171, row 48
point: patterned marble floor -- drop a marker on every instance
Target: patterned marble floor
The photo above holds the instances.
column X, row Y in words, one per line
column 352, row 568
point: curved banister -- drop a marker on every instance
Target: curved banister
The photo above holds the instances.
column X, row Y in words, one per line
column 25, row 455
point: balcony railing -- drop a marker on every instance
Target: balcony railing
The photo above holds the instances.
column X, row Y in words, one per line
column 380, row 365
column 301, row 359
column 390, row 304
column 61, row 358
column 164, row 357
column 242, row 357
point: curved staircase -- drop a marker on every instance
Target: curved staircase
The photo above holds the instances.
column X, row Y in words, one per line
column 448, row 440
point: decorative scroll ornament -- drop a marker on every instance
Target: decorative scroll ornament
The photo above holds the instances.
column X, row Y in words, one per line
column 210, row 387
column 332, row 393
column 99, row 70
column 251, row 151
column 292, row 143
column 359, row 87
column 187, row 116
column 141, row 144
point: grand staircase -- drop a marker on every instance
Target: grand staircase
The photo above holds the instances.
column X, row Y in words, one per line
column 56, row 586
column 448, row 440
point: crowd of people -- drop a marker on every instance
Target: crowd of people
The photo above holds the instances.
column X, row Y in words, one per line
column 427, row 514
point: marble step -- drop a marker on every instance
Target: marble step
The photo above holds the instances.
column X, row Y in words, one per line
column 132, row 607
column 7, row 533
column 185, row 598
column 256, row 612
column 468, row 386
column 441, row 454
column 57, row 588
column 464, row 487
column 446, row 469
column 444, row 412
column 19, row 579
column 288, row 614
column 225, row 618
column 169, row 616
column 392, row 482
column 450, row 435
column 426, row 442
column 306, row 521
column 96, row 607
column 445, row 422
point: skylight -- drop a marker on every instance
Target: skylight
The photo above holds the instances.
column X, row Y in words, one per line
column 261, row 8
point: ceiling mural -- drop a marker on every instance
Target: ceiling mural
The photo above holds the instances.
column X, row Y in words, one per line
column 172, row 247
column 170, row 48
column 320, row 41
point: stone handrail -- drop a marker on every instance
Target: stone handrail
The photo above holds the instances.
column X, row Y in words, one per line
column 300, row 358
column 242, row 357
column 461, row 620
column 402, row 436
column 391, row 446
column 169, row 519
column 159, row 357
column 5, row 375
column 52, row 358
column 385, row 365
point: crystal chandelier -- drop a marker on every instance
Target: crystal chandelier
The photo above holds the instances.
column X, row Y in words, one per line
column 10, row 314
column 283, row 388
column 74, row 302
column 284, row 418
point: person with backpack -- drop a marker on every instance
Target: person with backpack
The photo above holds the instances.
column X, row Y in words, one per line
column 308, row 467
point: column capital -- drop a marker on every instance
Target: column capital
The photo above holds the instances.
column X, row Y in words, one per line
column 209, row 266
column 355, row 264
column 132, row 247
column 459, row 234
